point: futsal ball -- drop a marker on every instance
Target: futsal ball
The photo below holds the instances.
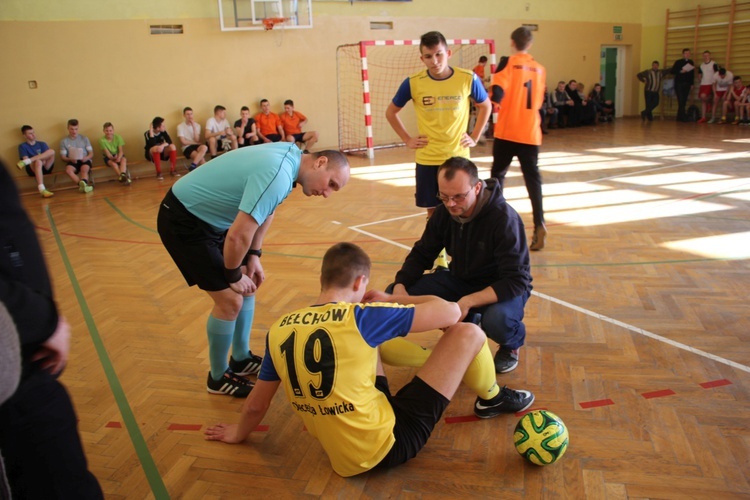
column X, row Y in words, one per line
column 541, row 437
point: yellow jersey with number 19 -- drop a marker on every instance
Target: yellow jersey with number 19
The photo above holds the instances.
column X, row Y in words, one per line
column 326, row 359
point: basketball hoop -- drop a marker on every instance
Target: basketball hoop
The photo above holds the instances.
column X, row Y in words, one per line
column 270, row 22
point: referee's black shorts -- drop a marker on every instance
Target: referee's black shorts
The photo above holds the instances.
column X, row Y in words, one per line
column 195, row 247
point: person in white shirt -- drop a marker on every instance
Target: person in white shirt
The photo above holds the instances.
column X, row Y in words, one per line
column 722, row 81
column 707, row 70
column 219, row 134
column 76, row 152
column 189, row 134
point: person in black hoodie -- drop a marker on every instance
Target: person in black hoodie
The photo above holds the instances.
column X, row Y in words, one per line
column 39, row 438
column 489, row 272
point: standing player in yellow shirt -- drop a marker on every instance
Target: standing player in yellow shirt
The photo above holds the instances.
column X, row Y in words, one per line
column 518, row 88
column 440, row 96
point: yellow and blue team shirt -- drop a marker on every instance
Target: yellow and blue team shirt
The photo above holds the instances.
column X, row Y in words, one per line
column 442, row 108
column 252, row 180
column 326, row 358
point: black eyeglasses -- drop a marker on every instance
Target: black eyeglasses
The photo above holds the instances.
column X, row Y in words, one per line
column 458, row 198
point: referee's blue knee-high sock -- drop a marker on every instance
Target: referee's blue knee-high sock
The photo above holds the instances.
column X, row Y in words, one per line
column 219, row 341
column 241, row 337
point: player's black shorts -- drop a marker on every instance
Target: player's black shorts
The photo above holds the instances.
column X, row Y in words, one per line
column 107, row 160
column 195, row 247
column 189, row 150
column 427, row 186
column 298, row 137
column 273, row 137
column 78, row 164
column 418, row 407
column 45, row 170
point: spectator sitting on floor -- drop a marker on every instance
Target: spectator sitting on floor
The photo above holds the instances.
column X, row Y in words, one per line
column 549, row 109
column 575, row 113
column 563, row 103
column 722, row 83
column 220, row 137
column 245, row 128
column 159, row 147
column 113, row 154
column 36, row 158
column 189, row 134
column 588, row 113
column 292, row 122
column 605, row 109
column 735, row 97
column 76, row 152
column 268, row 123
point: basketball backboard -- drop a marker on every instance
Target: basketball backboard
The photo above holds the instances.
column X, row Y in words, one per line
column 249, row 15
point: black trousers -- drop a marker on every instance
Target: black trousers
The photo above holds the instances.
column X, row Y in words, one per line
column 40, row 445
column 652, row 101
column 683, row 92
column 502, row 153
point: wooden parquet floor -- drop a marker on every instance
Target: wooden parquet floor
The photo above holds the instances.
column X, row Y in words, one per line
column 638, row 331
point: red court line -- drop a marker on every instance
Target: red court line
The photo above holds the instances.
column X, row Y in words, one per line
column 459, row 420
column 114, row 425
column 596, row 404
column 715, row 383
column 184, row 427
column 658, row 394
column 261, row 428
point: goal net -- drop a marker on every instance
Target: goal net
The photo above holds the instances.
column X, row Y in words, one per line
column 370, row 72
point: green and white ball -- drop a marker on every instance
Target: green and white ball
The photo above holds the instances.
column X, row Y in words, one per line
column 541, row 437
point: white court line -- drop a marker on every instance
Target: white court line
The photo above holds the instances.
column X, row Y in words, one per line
column 645, row 333
column 387, row 220
column 385, row 240
column 574, row 307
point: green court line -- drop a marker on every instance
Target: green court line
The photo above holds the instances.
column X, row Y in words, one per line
column 571, row 264
column 121, row 214
column 147, row 461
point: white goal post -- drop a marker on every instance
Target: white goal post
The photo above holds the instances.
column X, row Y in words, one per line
column 368, row 75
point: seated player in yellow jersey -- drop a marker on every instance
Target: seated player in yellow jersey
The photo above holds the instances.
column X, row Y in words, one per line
column 329, row 358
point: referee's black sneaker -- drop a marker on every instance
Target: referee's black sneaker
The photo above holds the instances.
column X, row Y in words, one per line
column 245, row 367
column 230, row 384
column 507, row 401
column 506, row 360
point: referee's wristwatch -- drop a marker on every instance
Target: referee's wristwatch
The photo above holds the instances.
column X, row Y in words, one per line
column 257, row 252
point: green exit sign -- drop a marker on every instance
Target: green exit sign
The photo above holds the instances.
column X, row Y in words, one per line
column 617, row 30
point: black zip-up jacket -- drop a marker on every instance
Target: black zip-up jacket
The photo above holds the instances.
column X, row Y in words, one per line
column 25, row 287
column 487, row 250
